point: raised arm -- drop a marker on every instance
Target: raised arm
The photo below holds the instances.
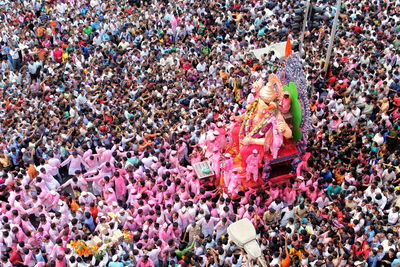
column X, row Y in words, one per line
column 85, row 164
column 65, row 162
column 66, row 184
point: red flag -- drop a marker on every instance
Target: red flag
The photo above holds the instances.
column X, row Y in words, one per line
column 288, row 49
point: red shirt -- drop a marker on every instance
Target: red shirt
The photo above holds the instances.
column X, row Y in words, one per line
column 103, row 129
column 109, row 119
column 61, row 263
column 360, row 251
column 57, row 53
column 94, row 212
column 357, row 29
column 15, row 258
column 186, row 65
column 396, row 101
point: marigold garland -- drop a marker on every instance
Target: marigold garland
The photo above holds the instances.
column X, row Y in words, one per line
column 80, row 248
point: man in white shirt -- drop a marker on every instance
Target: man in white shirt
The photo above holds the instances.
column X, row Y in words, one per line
column 381, row 200
column 372, row 191
column 378, row 138
column 322, row 201
column 277, row 205
column 388, row 175
column 393, row 216
column 288, row 213
column 207, row 225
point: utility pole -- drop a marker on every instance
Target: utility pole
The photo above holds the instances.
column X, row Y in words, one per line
column 333, row 33
column 305, row 20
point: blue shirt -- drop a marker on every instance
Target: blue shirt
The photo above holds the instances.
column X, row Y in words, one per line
column 395, row 262
column 95, row 25
column 39, row 257
column 372, row 261
column 14, row 158
column 84, row 11
column 90, row 223
column 115, row 264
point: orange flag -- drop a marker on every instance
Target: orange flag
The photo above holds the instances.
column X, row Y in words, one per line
column 288, row 49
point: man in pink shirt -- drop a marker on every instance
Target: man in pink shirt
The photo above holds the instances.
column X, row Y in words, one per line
column 215, row 159
column 130, row 224
column 211, row 144
column 109, row 195
column 120, row 186
column 285, row 104
column 76, row 182
column 174, row 231
column 303, row 165
column 173, row 158
column 145, row 261
column 227, row 168
column 75, row 161
column 253, row 162
column 91, row 161
column 50, row 181
column 289, row 194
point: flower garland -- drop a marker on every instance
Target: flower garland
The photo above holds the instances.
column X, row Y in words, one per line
column 128, row 235
column 87, row 248
column 245, row 128
column 82, row 249
column 260, row 125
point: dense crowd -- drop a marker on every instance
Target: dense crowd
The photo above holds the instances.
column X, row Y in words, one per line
column 106, row 105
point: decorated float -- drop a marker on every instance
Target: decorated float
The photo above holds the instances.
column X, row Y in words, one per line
column 267, row 141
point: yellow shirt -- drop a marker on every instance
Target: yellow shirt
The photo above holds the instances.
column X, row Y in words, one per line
column 65, row 56
column 293, row 251
column 32, row 172
column 74, row 206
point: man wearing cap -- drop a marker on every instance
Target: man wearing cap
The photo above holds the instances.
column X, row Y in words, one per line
column 184, row 217
column 130, row 224
column 215, row 160
column 86, row 198
column 220, row 134
column 117, row 263
column 212, row 144
column 228, row 167
column 253, row 162
column 109, row 195
column 235, row 181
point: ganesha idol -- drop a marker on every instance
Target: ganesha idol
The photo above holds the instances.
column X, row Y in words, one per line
column 263, row 126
